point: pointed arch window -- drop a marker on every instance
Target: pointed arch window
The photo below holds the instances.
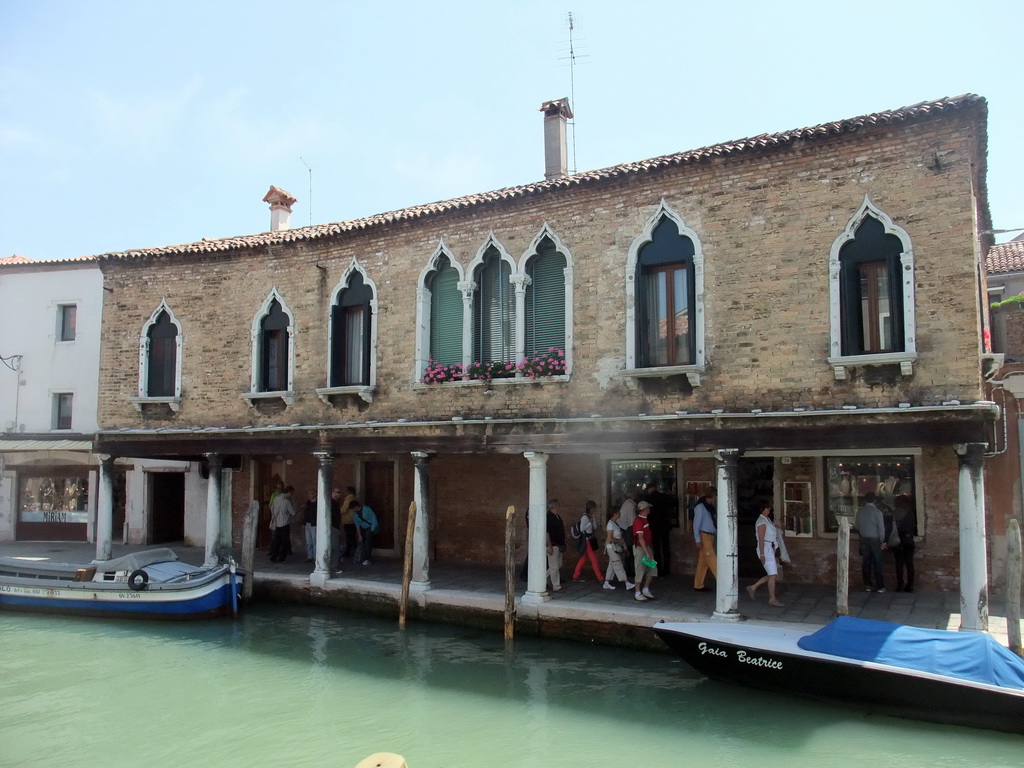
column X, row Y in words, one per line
column 161, row 379
column 665, row 300
column 160, row 348
column 872, row 294
column 493, row 310
column 446, row 310
column 350, row 335
column 274, row 350
column 545, row 300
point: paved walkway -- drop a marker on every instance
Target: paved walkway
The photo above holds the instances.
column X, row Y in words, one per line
column 807, row 605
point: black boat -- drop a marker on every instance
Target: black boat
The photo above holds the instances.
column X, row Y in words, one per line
column 960, row 678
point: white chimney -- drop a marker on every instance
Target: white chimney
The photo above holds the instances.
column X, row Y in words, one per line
column 280, row 209
column 556, row 152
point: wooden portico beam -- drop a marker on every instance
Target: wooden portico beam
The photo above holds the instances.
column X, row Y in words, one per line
column 512, row 438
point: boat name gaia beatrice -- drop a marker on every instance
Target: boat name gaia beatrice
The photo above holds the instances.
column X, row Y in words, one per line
column 741, row 656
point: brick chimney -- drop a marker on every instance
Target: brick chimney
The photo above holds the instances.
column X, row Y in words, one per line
column 280, row 209
column 556, row 152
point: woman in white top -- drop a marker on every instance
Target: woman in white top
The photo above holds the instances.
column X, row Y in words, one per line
column 767, row 543
column 615, row 546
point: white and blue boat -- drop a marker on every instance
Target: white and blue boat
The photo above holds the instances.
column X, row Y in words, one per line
column 151, row 584
column 961, row 678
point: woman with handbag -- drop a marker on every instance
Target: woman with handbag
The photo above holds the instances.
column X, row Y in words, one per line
column 615, row 547
column 587, row 546
column 767, row 543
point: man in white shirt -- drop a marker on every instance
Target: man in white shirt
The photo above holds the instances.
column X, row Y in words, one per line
column 281, row 514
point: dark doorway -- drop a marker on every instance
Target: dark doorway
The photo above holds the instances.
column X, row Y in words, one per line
column 755, row 487
column 167, row 506
column 379, row 477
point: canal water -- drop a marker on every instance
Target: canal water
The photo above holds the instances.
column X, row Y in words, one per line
column 297, row 686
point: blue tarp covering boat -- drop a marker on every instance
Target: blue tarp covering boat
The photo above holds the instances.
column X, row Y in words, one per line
column 964, row 655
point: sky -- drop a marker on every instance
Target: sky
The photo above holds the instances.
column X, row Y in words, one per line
column 148, row 123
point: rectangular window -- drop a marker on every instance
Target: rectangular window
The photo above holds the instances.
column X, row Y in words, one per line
column 667, row 316
column 876, row 317
column 67, row 320
column 797, row 512
column 62, row 410
column 850, row 478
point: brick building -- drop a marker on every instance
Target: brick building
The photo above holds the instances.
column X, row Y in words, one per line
column 794, row 317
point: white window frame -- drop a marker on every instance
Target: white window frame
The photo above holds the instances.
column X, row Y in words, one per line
column 905, row 359
column 287, row 395
column 694, row 370
column 366, row 391
column 568, row 278
column 143, row 398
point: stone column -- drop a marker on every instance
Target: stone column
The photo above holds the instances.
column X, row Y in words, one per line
column 324, row 477
column 213, row 489
column 421, row 533
column 520, row 282
column 537, row 551
column 105, row 508
column 973, row 562
column 727, row 585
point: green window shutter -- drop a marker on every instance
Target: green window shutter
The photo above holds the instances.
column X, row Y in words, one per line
column 494, row 311
column 545, row 301
column 446, row 316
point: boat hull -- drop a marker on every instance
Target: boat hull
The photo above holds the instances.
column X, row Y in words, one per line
column 205, row 597
column 888, row 690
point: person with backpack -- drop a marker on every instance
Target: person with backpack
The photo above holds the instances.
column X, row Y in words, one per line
column 585, row 533
column 366, row 521
column 615, row 547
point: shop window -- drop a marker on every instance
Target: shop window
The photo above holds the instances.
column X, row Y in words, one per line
column 849, row 478
column 636, row 474
column 53, row 505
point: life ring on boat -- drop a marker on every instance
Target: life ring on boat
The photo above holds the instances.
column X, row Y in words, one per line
column 138, row 579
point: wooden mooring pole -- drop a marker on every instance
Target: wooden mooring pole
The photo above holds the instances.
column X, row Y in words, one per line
column 510, row 573
column 410, row 530
column 1013, row 572
column 843, row 567
column 252, row 517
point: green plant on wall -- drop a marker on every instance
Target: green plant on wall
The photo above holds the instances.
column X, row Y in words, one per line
column 1010, row 302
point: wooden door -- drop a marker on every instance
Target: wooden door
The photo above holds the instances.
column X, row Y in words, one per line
column 167, row 507
column 379, row 477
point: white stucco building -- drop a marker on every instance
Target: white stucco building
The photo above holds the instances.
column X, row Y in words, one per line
column 50, row 320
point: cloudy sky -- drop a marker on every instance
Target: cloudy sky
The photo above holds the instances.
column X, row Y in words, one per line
column 147, row 123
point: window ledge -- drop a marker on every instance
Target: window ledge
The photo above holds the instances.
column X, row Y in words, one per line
column 904, row 359
column 360, row 390
column 496, row 382
column 288, row 397
column 174, row 403
column 691, row 372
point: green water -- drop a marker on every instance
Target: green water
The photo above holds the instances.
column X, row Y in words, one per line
column 295, row 686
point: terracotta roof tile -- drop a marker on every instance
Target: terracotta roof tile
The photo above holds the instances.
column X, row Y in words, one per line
column 1005, row 257
column 16, row 259
column 755, row 144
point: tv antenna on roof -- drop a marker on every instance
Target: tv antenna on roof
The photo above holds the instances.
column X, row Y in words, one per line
column 571, row 18
column 310, row 190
